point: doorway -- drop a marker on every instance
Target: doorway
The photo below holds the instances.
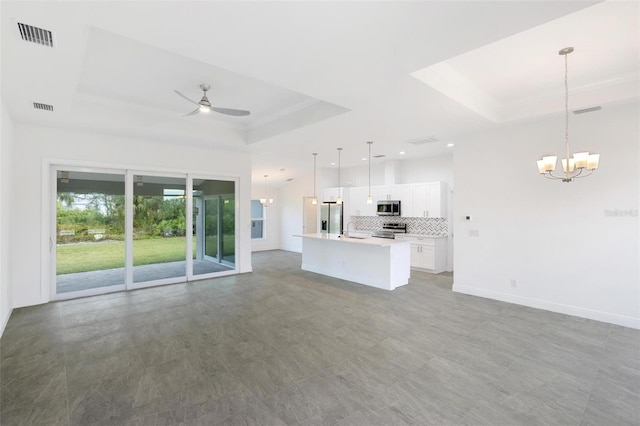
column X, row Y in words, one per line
column 309, row 216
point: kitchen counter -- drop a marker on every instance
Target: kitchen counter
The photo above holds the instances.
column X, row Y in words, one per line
column 425, row 236
column 377, row 262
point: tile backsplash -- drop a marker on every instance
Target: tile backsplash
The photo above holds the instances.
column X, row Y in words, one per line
column 415, row 225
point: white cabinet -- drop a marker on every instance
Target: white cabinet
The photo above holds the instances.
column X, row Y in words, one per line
column 330, row 194
column 422, row 256
column 427, row 199
column 430, row 199
column 403, row 193
column 429, row 254
column 358, row 201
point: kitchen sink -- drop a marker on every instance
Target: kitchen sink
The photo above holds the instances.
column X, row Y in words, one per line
column 356, row 235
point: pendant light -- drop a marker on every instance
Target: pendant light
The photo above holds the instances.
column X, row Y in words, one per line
column 369, row 197
column 339, row 198
column 266, row 201
column 314, row 200
column 573, row 167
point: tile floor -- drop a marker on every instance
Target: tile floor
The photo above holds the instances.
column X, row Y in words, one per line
column 281, row 346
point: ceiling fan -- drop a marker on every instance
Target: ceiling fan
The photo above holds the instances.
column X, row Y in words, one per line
column 204, row 106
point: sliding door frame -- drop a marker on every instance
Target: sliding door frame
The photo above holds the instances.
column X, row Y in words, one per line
column 50, row 166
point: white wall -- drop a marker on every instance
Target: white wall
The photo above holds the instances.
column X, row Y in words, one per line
column 272, row 220
column 291, row 209
column 33, row 145
column 431, row 169
column 6, row 142
column 556, row 240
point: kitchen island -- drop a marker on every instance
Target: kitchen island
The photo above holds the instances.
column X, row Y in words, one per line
column 376, row 262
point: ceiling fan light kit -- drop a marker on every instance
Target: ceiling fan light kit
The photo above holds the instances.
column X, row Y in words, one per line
column 575, row 167
column 204, row 106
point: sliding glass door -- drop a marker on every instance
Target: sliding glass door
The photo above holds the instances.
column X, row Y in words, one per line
column 89, row 234
column 117, row 230
column 214, row 226
column 159, row 228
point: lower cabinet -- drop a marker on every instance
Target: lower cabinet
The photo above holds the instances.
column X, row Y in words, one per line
column 423, row 256
column 428, row 254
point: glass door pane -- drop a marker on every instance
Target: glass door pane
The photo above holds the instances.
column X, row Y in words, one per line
column 211, row 227
column 90, row 219
column 228, row 225
column 213, row 250
column 159, row 228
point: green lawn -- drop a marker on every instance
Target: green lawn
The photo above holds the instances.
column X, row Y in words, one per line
column 83, row 257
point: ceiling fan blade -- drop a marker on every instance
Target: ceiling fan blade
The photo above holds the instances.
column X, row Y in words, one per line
column 194, row 112
column 183, row 96
column 230, row 111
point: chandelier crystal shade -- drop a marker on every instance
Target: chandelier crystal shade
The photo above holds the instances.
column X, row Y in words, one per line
column 581, row 164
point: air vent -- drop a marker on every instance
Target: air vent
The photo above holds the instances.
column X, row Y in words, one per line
column 289, row 180
column 379, row 156
column 36, row 35
column 423, row 141
column 582, row 111
column 43, row 107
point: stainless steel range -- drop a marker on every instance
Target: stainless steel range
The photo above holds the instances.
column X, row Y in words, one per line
column 389, row 230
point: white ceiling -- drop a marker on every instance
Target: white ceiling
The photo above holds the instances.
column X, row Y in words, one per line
column 316, row 75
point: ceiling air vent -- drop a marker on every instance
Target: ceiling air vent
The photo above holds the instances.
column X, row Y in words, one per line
column 379, row 156
column 36, row 35
column 43, row 107
column 422, row 141
column 582, row 111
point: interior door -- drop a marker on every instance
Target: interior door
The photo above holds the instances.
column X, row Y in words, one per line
column 309, row 216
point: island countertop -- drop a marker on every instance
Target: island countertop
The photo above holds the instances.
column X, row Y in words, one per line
column 374, row 241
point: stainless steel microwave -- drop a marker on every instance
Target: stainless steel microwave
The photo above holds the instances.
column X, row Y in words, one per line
column 388, row 208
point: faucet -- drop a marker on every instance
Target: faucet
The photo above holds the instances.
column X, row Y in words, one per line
column 354, row 227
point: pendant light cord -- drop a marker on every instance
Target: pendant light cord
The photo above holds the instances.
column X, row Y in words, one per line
column 566, row 110
column 369, row 143
column 315, row 154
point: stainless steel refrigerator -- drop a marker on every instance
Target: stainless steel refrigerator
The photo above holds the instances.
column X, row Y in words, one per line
column 331, row 218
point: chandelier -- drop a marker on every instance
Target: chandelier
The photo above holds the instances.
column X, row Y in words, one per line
column 583, row 163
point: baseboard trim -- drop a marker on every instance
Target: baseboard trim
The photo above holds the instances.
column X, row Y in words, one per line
column 550, row 306
column 5, row 320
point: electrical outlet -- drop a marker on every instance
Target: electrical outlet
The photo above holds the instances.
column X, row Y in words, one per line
column 514, row 283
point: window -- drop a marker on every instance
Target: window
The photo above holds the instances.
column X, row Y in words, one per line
column 257, row 220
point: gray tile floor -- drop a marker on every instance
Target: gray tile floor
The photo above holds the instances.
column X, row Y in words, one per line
column 281, row 346
column 107, row 277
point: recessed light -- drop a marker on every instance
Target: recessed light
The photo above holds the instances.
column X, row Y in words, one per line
column 333, row 164
column 364, row 158
column 402, row 152
column 449, row 145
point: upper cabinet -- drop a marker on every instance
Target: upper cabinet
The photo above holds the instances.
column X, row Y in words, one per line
column 430, row 199
column 416, row 199
column 403, row 193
